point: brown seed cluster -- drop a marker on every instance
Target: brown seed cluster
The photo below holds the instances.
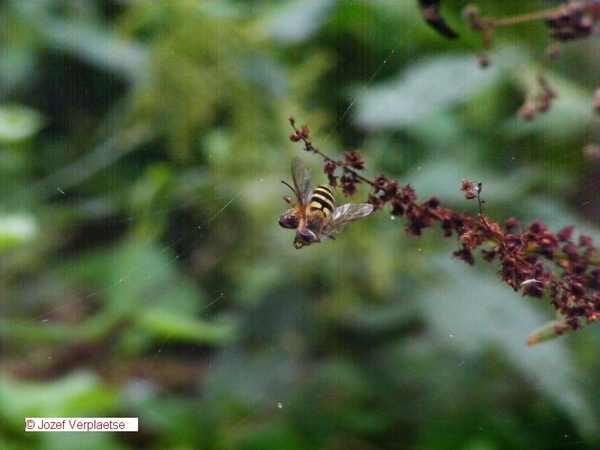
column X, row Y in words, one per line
column 569, row 21
column 538, row 100
column 533, row 259
column 574, row 20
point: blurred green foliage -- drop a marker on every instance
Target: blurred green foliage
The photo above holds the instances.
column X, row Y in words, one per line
column 144, row 273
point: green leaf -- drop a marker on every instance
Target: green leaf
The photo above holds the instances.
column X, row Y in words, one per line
column 80, row 393
column 425, row 89
column 17, row 230
column 18, row 123
column 472, row 311
column 297, row 21
column 182, row 327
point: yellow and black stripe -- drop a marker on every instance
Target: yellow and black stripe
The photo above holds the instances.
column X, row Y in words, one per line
column 322, row 200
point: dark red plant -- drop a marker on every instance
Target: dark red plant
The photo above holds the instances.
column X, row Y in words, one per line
column 533, row 260
column 572, row 20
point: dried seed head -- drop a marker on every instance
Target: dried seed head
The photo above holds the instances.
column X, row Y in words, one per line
column 527, row 111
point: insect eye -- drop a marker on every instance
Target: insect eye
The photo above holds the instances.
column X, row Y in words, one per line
column 286, row 221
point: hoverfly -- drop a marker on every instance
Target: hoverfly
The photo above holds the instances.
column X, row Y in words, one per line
column 314, row 214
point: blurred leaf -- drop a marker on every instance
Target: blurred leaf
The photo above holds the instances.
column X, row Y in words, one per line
column 180, row 327
column 18, row 123
column 76, row 441
column 297, row 20
column 83, row 34
column 17, row 230
column 192, row 77
column 426, row 89
column 473, row 312
column 154, row 184
column 76, row 395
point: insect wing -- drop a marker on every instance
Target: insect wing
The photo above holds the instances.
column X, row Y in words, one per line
column 343, row 215
column 301, row 178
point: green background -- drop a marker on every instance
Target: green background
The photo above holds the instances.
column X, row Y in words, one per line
column 144, row 273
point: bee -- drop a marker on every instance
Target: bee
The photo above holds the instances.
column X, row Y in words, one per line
column 314, row 214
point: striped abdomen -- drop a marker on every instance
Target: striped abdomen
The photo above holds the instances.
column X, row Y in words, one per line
column 320, row 207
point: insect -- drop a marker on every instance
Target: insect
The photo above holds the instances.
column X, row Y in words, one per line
column 314, row 213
